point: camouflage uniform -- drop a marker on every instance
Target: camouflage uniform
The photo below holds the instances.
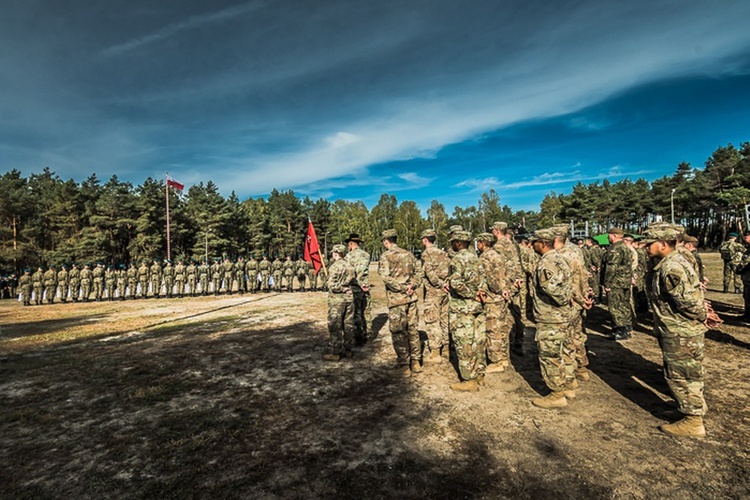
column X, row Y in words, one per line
column 466, row 316
column 529, row 260
column 618, row 276
column 179, row 278
column 301, row 270
column 239, row 275
column 122, row 281
column 436, row 266
column 168, row 274
column 278, row 267
column 251, row 269
column 86, row 278
column 360, row 262
column 74, row 279
column 228, row 275
column 24, row 285
column 156, row 274
column 98, row 280
column 264, row 267
column 288, row 270
column 110, row 282
column 340, row 305
column 192, row 277
column 510, row 253
column 132, row 274
column 579, row 288
column 216, row 272
column 499, row 321
column 731, row 253
column 399, row 270
column 63, row 283
column 204, row 273
column 311, row 277
column 50, row 284
column 143, row 279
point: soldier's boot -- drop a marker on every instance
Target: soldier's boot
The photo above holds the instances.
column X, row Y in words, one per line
column 690, row 426
column 401, row 369
column 498, row 367
column 737, row 290
column 480, row 380
column 570, row 389
column 583, row 374
column 415, row 367
column 551, row 400
column 432, row 357
column 466, row 386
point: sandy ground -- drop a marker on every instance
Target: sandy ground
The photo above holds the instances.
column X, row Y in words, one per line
column 229, row 398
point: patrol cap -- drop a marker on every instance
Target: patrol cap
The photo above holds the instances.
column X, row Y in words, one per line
column 560, row 230
column 455, row 228
column 661, row 232
column 460, row 236
column 616, row 230
column 500, row 225
column 543, row 235
column 486, row 238
column 389, row 233
column 428, row 233
column 690, row 239
column 339, row 249
column 353, row 237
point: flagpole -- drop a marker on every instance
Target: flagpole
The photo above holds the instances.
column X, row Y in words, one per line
column 169, row 242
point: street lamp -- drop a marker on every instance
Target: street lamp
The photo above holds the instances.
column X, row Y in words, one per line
column 671, row 202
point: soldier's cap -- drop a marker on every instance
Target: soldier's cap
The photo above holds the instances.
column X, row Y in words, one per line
column 485, row 238
column 616, row 230
column 628, row 235
column 64, row 266
column 428, row 233
column 27, row 270
column 353, row 237
column 661, row 232
column 560, row 230
column 500, row 225
column 389, row 233
column 122, row 266
column 460, row 236
column 690, row 239
column 543, row 235
column 53, row 266
column 111, row 266
column 734, row 235
column 339, row 249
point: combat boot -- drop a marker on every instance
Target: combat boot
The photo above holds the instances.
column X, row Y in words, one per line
column 480, row 380
column 583, row 374
column 466, row 386
column 690, row 426
column 432, row 357
column 551, row 400
column 332, row 357
column 495, row 368
column 416, row 367
column 401, row 370
column 570, row 389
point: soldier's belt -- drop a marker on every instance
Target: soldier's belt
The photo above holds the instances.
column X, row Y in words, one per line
column 402, row 302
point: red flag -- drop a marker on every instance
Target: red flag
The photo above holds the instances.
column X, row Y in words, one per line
column 312, row 249
column 171, row 182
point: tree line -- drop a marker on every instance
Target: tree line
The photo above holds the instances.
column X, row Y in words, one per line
column 47, row 220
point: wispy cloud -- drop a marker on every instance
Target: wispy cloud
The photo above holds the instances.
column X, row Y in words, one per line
column 547, row 179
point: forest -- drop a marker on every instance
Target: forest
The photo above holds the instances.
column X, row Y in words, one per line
column 47, row 220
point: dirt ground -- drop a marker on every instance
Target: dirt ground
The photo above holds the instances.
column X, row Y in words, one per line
column 229, row 398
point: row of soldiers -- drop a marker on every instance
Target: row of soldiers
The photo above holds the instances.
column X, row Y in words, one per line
column 152, row 279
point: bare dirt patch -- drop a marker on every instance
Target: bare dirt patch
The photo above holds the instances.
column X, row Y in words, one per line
column 228, row 397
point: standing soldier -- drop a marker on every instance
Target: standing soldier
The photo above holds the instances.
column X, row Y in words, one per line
column 179, row 278
column 239, row 274
column 216, row 272
column 278, row 267
column 86, row 279
column 743, row 270
column 360, row 262
column 496, row 296
column 110, row 280
column 204, row 275
column 122, row 281
column 553, row 293
column 156, row 273
column 731, row 253
column 301, row 269
column 402, row 276
column 132, row 275
column 74, row 277
column 192, row 277
column 529, row 259
column 311, row 276
column 168, row 274
column 264, row 267
column 340, row 307
column 618, row 282
column 251, row 269
column 506, row 247
column 288, row 270
column 63, row 283
column 50, row 284
column 680, row 319
column 435, row 265
column 98, row 278
column 144, row 278
column 37, row 282
column 466, row 316
column 24, row 283
column 228, row 275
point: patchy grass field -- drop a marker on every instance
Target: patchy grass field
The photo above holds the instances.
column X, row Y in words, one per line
column 228, row 398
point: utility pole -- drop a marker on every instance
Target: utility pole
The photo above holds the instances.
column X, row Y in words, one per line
column 671, row 202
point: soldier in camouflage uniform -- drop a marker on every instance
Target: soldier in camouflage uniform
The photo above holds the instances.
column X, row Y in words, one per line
column 74, row 279
column 228, row 275
column 618, row 282
column 37, row 283
column 311, row 277
column 110, row 281
column 553, row 310
column 529, row 259
column 191, row 271
column 402, row 276
column 50, row 284
column 691, row 244
column 300, row 268
column 288, row 273
column 156, row 273
column 179, row 278
column 496, row 295
column 239, row 275
column 251, row 269
column 731, row 253
column 24, row 285
column 132, row 274
column 63, row 283
column 340, row 307
column 264, row 267
column 122, row 281
column 168, row 273
column 277, row 268
column 144, row 279
column 204, row 275
column 743, row 270
column 86, row 279
column 466, row 316
column 435, row 265
column 97, row 275
column 508, row 250
column 216, row 272
column 360, row 262
column 452, row 230
column 679, row 322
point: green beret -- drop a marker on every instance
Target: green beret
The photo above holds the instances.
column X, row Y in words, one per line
column 389, row 233
column 339, row 249
column 486, row 238
column 543, row 235
column 734, row 235
column 500, row 225
column 460, row 236
column 428, row 233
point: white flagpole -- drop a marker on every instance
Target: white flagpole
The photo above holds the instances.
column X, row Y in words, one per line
column 169, row 242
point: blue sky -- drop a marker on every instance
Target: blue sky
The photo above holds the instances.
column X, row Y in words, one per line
column 349, row 99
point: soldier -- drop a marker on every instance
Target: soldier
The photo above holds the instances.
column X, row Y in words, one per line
column 301, row 270
column 743, row 270
column 691, row 244
column 86, row 280
column 264, row 268
column 251, row 269
column 496, row 297
column 311, row 277
column 179, row 278
column 204, row 275
column 144, row 278
column 288, row 272
column 24, row 283
column 228, row 276
column 110, row 280
column 98, row 281
column 594, row 263
column 435, row 265
column 731, row 253
column 452, row 230
column 360, row 261
column 74, row 278
column 553, row 294
column 37, row 283
column 63, row 283
column 529, row 259
column 680, row 318
column 132, row 275
column 50, row 284
column 192, row 277
column 277, row 268
column 168, row 274
column 216, row 272
column 402, row 276
column 156, row 273
column 239, row 274
column 508, row 250
column 323, row 276
column 340, row 307
column 466, row 316
column 618, row 282
column 121, row 276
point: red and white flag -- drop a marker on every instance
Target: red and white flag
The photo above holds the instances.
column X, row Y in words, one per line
column 312, row 249
column 171, row 182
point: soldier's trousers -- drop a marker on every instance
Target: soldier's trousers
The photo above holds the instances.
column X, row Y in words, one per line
column 731, row 280
column 301, row 280
column 517, row 313
column 499, row 326
column 556, row 358
column 288, row 283
column 436, row 319
column 180, row 285
column 362, row 311
column 143, row 288
column 577, row 339
column 340, row 325
column 98, row 289
column 191, row 283
column 85, row 290
column 683, row 369
column 402, row 322
column 311, row 281
column 264, row 281
column 49, row 291
column 63, row 291
column 277, row 282
column 620, row 307
column 26, row 295
column 469, row 335
column 156, row 288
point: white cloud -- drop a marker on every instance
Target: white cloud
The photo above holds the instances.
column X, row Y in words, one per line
column 548, row 179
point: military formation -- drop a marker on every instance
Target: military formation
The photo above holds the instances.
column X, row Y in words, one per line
column 163, row 279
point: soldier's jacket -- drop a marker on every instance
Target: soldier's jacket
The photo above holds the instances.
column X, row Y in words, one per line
column 732, row 251
column 553, row 290
column 24, row 282
column 512, row 257
column 37, row 278
column 642, row 269
column 618, row 266
column 156, row 272
column 143, row 273
column 251, row 266
column 580, row 279
column 74, row 276
column 86, row 276
column 168, row 273
column 529, row 258
column 399, row 268
column 743, row 268
column 228, row 268
column 203, row 271
column 466, row 278
column 287, row 266
column 688, row 256
column 63, row 277
column 132, row 274
column 109, row 277
column 50, row 277
column 435, row 267
column 216, row 270
column 495, row 276
column 179, row 272
column 678, row 302
column 360, row 261
column 122, row 279
column 301, row 267
column 278, row 266
column 340, row 278
column 264, row 266
column 98, row 274
column 191, row 271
